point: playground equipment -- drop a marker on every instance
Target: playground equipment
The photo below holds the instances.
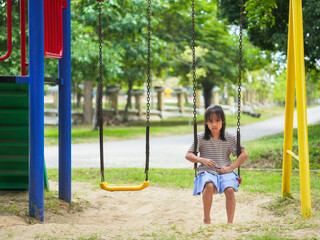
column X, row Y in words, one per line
column 296, row 81
column 9, row 32
column 14, row 137
column 47, row 19
column 104, row 185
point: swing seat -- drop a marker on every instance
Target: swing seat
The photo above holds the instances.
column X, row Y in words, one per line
column 239, row 180
column 113, row 188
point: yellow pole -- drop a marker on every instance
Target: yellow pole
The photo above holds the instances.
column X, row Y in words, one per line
column 289, row 111
column 301, row 110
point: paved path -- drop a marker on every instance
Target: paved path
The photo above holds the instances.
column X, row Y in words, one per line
column 165, row 152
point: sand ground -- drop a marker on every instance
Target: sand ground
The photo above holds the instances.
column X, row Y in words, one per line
column 153, row 213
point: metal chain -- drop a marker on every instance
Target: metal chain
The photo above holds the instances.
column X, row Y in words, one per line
column 194, row 65
column 195, row 137
column 239, row 85
column 100, row 95
column 148, row 63
column 148, row 94
column 100, row 63
column 240, row 64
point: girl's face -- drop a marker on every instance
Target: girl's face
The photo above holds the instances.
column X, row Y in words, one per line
column 214, row 124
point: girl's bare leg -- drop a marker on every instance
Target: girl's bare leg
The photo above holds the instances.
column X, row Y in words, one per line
column 230, row 203
column 209, row 190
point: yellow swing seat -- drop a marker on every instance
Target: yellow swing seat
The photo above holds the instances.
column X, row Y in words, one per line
column 112, row 188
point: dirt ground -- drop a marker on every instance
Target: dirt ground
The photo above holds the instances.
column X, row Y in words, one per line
column 153, row 213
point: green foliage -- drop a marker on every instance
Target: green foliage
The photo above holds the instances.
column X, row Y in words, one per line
column 124, row 44
column 85, row 36
column 259, row 13
column 267, row 24
column 216, row 52
column 279, row 92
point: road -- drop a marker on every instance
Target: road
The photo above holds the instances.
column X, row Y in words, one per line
column 165, row 152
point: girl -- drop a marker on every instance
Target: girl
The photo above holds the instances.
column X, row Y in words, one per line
column 215, row 173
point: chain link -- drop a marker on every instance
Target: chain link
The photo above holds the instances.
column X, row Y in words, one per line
column 194, row 65
column 148, row 94
column 240, row 64
column 100, row 64
column 195, row 139
column 148, row 63
column 239, row 85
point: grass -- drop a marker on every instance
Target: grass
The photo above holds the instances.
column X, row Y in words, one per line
column 253, row 181
column 267, row 152
column 133, row 130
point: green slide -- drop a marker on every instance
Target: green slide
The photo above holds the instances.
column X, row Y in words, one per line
column 14, row 137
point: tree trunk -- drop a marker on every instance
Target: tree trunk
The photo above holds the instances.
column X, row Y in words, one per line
column 87, row 101
column 95, row 122
column 129, row 104
column 207, row 94
column 78, row 96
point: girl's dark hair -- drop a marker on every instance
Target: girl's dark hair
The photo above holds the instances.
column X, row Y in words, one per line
column 214, row 109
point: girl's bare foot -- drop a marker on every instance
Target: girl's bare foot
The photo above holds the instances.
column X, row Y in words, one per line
column 207, row 221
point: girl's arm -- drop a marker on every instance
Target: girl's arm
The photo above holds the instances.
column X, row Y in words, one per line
column 204, row 161
column 240, row 160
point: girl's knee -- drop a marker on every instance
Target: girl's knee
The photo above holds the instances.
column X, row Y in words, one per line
column 210, row 187
column 229, row 192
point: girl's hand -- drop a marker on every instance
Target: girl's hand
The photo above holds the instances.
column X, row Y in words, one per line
column 208, row 162
column 225, row 170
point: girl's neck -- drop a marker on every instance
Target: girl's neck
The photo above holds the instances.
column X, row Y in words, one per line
column 215, row 137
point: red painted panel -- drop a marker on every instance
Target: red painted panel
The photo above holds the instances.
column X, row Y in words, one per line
column 53, row 28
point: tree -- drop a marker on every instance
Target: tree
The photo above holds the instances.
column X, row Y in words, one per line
column 85, row 53
column 216, row 51
column 124, row 34
column 267, row 24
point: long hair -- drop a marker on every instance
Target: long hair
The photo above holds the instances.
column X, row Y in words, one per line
column 214, row 109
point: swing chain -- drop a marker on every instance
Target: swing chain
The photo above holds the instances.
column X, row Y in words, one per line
column 148, row 63
column 100, row 64
column 100, row 95
column 239, row 85
column 195, row 137
column 240, row 64
column 194, row 65
column 148, row 94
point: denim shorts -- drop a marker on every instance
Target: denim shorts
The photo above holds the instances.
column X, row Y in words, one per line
column 221, row 182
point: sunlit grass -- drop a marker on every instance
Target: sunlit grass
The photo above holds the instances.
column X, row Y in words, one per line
column 253, row 181
column 267, row 152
